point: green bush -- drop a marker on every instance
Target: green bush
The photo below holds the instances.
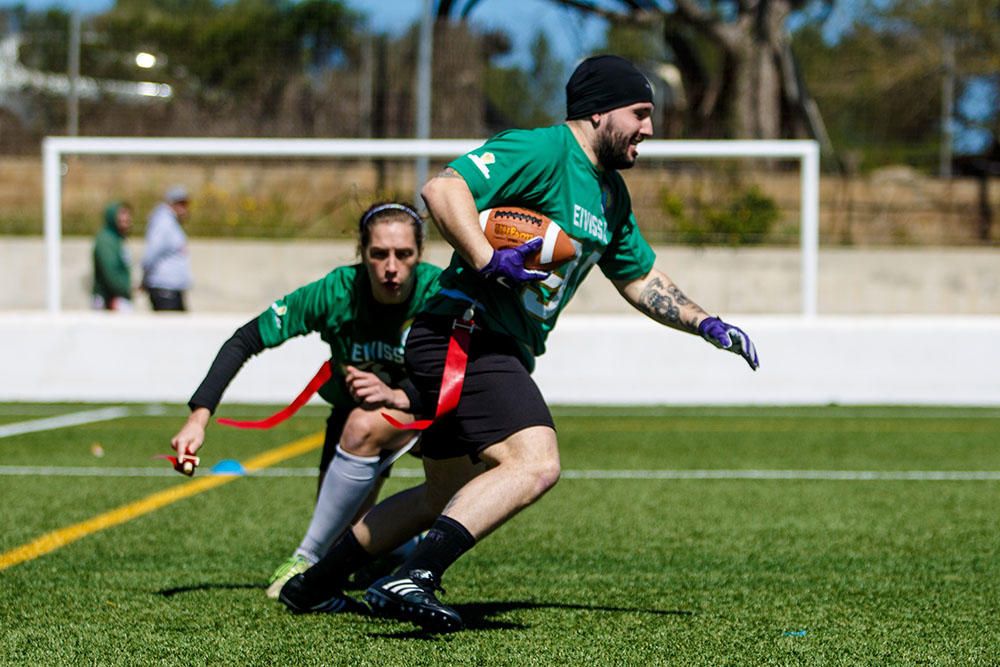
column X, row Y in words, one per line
column 745, row 220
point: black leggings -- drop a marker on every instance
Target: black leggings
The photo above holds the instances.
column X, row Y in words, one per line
column 166, row 299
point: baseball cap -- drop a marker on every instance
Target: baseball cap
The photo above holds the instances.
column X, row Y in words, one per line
column 176, row 193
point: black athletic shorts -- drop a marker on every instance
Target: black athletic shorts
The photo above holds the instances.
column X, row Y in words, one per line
column 498, row 399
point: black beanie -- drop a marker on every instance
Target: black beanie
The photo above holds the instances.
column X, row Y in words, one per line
column 603, row 83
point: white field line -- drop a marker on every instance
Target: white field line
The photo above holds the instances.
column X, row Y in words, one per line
column 674, row 411
column 768, row 413
column 62, row 421
column 822, row 475
column 846, row 475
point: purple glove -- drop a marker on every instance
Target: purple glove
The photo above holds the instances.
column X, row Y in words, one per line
column 506, row 266
column 731, row 338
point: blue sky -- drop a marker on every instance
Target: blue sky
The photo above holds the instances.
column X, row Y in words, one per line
column 572, row 35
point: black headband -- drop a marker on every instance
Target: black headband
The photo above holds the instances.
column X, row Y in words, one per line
column 603, row 83
column 372, row 212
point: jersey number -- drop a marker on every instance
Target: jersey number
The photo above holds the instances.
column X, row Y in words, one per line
column 573, row 272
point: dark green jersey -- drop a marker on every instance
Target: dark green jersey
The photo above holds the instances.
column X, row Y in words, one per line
column 545, row 170
column 361, row 332
column 112, row 270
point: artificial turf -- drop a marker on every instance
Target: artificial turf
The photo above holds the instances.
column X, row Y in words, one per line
column 602, row 571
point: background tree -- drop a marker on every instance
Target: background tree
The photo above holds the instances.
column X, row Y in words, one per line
column 243, row 48
column 241, row 67
column 967, row 33
column 519, row 97
column 516, row 95
column 880, row 81
column 740, row 78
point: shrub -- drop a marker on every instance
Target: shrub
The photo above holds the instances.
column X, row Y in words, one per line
column 745, row 220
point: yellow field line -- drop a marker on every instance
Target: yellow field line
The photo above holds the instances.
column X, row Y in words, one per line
column 63, row 536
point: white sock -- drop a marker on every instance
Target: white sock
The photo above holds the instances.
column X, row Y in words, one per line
column 348, row 481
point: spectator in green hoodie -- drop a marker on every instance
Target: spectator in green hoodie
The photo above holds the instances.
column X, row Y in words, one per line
column 112, row 262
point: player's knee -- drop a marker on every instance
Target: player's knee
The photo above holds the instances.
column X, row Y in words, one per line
column 544, row 465
column 360, row 434
column 546, row 474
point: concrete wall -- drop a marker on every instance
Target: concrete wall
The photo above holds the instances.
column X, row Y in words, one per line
column 923, row 329
column 244, row 276
column 592, row 359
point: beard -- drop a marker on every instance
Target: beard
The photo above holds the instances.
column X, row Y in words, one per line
column 613, row 149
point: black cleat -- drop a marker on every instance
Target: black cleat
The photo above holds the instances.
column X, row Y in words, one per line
column 382, row 566
column 409, row 596
column 300, row 599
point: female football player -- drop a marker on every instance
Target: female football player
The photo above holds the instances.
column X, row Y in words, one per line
column 363, row 311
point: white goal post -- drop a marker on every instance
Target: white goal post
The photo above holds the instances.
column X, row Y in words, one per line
column 54, row 148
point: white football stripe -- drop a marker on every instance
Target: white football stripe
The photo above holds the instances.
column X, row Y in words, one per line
column 549, row 244
column 819, row 475
column 88, row 471
column 62, row 421
column 483, row 217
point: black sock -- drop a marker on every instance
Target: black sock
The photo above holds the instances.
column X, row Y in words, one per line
column 344, row 557
column 444, row 543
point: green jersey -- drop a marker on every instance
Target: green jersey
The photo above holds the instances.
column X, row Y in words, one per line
column 547, row 171
column 112, row 270
column 361, row 332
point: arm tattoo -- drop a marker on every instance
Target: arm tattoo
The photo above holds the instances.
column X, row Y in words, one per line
column 664, row 302
column 448, row 172
column 678, row 295
column 657, row 302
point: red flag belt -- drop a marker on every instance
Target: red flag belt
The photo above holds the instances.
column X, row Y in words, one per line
column 453, row 377
column 321, row 377
column 451, row 384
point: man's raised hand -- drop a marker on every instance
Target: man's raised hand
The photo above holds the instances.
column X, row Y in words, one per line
column 729, row 337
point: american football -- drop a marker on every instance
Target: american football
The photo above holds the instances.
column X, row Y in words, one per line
column 510, row 226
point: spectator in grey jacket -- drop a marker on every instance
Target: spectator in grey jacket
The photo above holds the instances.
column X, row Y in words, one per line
column 166, row 264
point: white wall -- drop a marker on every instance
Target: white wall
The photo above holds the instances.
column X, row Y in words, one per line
column 593, row 359
column 849, row 360
column 243, row 276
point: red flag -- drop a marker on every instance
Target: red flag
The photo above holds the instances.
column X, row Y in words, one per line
column 452, row 379
column 321, row 377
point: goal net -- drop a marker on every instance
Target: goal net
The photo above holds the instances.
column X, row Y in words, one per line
column 703, row 193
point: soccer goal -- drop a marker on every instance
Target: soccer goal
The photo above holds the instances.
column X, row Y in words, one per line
column 55, row 150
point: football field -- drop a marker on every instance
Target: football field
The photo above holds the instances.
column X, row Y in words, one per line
column 676, row 536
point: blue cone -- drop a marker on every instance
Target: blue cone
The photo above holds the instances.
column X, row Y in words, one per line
column 228, row 467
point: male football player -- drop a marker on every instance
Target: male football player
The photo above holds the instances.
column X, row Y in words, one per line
column 568, row 172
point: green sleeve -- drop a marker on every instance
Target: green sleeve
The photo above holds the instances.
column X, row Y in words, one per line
column 112, row 271
column 317, row 306
column 628, row 256
column 509, row 168
column 428, row 283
